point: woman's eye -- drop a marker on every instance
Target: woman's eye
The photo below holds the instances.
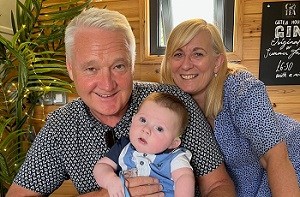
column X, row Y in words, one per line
column 142, row 119
column 159, row 129
column 198, row 54
column 177, row 55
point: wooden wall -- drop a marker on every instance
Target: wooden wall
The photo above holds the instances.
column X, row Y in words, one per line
column 285, row 99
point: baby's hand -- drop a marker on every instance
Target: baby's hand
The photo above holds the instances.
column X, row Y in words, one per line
column 116, row 189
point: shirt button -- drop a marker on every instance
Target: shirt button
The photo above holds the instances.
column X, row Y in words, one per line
column 142, row 163
column 145, row 154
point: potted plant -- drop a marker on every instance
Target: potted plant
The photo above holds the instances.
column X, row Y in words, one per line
column 32, row 63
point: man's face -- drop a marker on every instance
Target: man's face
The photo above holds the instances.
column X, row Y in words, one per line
column 102, row 72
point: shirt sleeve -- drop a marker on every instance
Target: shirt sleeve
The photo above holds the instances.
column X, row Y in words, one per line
column 43, row 166
column 182, row 160
column 252, row 112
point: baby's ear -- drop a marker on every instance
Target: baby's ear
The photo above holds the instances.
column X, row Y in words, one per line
column 176, row 142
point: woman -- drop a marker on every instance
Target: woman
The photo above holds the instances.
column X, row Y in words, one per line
column 261, row 147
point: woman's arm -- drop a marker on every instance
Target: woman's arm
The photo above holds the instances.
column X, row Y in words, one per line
column 217, row 183
column 281, row 173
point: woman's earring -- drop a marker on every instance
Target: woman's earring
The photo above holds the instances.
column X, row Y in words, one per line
column 216, row 74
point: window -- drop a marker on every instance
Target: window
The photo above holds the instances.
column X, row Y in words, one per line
column 166, row 14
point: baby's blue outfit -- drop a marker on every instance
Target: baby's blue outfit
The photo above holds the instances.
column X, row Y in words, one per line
column 158, row 165
column 246, row 128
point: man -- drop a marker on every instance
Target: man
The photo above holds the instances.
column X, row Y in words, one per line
column 100, row 52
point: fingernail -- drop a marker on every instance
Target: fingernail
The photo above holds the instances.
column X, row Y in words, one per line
column 161, row 187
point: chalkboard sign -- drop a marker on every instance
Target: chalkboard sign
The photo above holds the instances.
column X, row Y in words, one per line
column 280, row 43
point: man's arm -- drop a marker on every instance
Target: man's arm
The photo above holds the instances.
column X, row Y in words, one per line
column 138, row 186
column 217, row 183
column 16, row 190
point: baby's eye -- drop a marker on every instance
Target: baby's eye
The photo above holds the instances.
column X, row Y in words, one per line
column 159, row 129
column 142, row 120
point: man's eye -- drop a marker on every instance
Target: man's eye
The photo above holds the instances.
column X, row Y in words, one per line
column 142, row 119
column 91, row 69
column 159, row 129
column 120, row 67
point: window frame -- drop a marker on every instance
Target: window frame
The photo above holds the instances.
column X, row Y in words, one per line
column 147, row 58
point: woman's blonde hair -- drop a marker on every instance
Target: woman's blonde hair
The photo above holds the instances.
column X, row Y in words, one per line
column 181, row 35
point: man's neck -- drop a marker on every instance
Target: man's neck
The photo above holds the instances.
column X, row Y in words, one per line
column 110, row 120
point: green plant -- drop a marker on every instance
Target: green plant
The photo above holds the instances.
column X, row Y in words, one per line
column 32, row 63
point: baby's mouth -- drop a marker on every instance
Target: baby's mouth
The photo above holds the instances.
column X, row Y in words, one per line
column 142, row 140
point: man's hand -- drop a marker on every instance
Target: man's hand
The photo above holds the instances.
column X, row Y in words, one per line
column 144, row 186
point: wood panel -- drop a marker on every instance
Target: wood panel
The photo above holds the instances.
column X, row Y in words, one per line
column 252, row 25
column 252, row 66
column 251, row 48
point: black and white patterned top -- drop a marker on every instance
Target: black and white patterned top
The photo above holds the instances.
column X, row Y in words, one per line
column 72, row 141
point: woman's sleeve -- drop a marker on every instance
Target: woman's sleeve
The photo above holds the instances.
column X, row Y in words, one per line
column 252, row 113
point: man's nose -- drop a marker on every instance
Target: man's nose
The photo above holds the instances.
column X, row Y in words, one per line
column 106, row 80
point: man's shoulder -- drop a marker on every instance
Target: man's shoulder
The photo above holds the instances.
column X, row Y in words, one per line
column 148, row 87
column 71, row 109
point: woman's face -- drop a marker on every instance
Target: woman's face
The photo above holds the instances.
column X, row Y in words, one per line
column 194, row 65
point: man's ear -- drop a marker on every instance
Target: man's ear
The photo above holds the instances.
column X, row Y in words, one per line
column 69, row 68
column 219, row 62
column 176, row 142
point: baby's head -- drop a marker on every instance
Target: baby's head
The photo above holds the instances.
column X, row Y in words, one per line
column 158, row 124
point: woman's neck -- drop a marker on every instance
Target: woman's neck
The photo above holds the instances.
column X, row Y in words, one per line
column 200, row 100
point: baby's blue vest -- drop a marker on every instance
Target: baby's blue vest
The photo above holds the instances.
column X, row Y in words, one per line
column 160, row 168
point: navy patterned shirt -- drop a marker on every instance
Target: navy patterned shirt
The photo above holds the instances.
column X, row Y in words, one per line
column 246, row 128
column 73, row 140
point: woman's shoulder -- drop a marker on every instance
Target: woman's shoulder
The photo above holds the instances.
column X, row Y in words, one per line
column 240, row 76
column 242, row 79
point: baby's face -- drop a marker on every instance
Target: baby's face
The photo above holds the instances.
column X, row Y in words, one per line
column 154, row 128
